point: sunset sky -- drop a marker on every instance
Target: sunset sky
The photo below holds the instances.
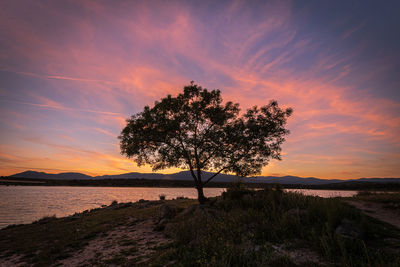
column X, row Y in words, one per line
column 71, row 72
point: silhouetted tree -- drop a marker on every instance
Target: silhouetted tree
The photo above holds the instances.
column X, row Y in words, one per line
column 196, row 131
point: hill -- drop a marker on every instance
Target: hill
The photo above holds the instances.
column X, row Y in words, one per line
column 60, row 176
column 185, row 176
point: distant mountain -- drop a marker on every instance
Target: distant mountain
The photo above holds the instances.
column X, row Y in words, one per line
column 379, row 180
column 60, row 176
column 132, row 175
column 185, row 175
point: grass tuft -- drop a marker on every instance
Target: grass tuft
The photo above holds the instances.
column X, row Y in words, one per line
column 257, row 228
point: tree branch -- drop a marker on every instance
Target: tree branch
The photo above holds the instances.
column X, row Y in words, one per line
column 196, row 179
column 215, row 174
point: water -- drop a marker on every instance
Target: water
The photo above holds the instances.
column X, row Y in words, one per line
column 324, row 193
column 25, row 204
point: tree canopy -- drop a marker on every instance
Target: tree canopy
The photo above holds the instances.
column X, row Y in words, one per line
column 198, row 132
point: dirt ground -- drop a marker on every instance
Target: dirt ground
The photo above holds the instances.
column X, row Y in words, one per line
column 133, row 243
column 378, row 211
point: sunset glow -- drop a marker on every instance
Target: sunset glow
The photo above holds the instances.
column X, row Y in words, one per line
column 72, row 72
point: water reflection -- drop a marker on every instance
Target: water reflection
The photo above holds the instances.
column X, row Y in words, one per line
column 324, row 193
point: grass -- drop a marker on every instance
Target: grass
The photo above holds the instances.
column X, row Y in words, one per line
column 257, row 228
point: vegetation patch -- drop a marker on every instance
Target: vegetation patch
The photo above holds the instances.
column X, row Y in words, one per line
column 271, row 228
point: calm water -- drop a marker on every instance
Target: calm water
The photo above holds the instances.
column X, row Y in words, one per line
column 324, row 193
column 25, row 204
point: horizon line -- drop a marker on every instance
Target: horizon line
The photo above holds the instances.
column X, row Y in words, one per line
column 172, row 173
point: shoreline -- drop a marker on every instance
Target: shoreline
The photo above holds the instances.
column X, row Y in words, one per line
column 359, row 186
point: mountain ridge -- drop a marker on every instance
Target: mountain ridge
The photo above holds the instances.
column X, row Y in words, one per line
column 185, row 175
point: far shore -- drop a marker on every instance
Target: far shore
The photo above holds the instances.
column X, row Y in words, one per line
column 12, row 181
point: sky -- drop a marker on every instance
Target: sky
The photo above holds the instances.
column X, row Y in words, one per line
column 72, row 72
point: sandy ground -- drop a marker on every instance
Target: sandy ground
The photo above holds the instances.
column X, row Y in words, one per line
column 300, row 256
column 134, row 243
column 13, row 260
column 378, row 211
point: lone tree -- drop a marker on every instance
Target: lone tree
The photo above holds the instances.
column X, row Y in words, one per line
column 196, row 131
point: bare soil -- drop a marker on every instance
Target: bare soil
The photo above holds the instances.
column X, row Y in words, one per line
column 378, row 211
column 132, row 243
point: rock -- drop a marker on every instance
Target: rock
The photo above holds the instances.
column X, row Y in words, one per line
column 75, row 216
column 167, row 212
column 161, row 225
column 348, row 229
column 116, row 206
column 188, row 210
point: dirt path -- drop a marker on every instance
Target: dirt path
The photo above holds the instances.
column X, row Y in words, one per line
column 378, row 211
column 133, row 244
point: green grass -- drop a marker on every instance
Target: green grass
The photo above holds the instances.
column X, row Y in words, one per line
column 244, row 228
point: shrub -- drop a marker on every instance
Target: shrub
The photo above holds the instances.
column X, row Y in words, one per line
column 236, row 191
column 46, row 219
column 229, row 231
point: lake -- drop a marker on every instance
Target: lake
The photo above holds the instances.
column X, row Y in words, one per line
column 25, row 204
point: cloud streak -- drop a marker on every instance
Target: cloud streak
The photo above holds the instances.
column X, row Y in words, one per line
column 57, row 106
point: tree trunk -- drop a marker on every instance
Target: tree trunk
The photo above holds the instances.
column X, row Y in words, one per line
column 200, row 195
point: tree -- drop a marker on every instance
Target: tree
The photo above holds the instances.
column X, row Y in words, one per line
column 196, row 131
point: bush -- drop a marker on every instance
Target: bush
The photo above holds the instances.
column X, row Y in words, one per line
column 162, row 196
column 46, row 219
column 244, row 227
column 236, row 191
